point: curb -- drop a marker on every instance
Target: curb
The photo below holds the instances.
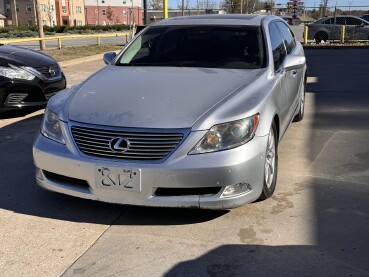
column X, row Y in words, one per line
column 310, row 47
column 82, row 60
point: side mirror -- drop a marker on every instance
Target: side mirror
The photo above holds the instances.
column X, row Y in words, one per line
column 109, row 57
column 293, row 62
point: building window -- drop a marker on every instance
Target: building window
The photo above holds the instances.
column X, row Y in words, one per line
column 44, row 22
column 64, row 9
column 43, row 8
column 103, row 12
column 78, row 9
column 17, row 8
column 79, row 23
column 103, row 1
column 29, row 8
column 124, row 12
column 52, row 7
column 7, row 8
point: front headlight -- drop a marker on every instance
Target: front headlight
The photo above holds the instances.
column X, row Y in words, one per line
column 51, row 127
column 227, row 135
column 15, row 72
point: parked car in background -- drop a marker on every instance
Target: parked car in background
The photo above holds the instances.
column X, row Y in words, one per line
column 329, row 28
column 27, row 78
column 365, row 17
column 189, row 114
column 288, row 19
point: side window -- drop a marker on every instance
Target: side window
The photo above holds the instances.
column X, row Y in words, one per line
column 340, row 21
column 287, row 35
column 353, row 21
column 328, row 21
column 279, row 51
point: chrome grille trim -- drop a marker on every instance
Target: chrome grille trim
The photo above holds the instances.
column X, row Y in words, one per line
column 146, row 145
column 15, row 98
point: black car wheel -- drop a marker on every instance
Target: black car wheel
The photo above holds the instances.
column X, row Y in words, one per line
column 321, row 36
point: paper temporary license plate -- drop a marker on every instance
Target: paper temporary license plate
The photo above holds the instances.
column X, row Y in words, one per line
column 118, row 178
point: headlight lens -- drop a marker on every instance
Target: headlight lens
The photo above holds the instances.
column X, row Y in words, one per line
column 227, row 135
column 15, row 72
column 51, row 127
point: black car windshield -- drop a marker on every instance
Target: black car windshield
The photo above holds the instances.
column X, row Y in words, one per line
column 237, row 47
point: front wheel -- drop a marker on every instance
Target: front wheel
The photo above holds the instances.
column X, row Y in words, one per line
column 270, row 164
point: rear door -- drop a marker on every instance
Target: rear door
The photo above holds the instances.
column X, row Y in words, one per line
column 356, row 29
column 292, row 76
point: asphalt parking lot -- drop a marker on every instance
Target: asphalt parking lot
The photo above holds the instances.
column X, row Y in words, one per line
column 316, row 224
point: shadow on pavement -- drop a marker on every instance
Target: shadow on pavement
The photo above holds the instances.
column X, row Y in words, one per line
column 19, row 192
column 339, row 177
column 17, row 112
column 341, row 223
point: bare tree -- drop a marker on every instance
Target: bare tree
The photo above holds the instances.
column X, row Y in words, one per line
column 110, row 14
column 186, row 4
column 156, row 4
column 248, row 6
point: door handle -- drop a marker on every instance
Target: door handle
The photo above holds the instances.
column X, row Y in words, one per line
column 294, row 73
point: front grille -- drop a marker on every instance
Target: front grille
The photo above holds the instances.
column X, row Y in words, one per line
column 45, row 71
column 15, row 98
column 146, row 146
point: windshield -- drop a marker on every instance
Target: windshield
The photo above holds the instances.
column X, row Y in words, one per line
column 239, row 47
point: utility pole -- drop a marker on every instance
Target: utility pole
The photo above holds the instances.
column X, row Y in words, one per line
column 40, row 26
column 145, row 12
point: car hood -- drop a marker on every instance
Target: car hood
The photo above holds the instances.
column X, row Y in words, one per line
column 22, row 56
column 153, row 97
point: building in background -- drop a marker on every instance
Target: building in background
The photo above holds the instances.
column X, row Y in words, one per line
column 108, row 12
column 70, row 12
column 2, row 21
column 154, row 15
column 25, row 12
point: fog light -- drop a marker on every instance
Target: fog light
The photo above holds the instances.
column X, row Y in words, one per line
column 236, row 189
column 39, row 174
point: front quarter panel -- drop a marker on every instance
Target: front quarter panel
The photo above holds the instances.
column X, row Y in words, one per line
column 262, row 95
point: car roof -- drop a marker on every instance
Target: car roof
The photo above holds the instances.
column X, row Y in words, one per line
column 212, row 19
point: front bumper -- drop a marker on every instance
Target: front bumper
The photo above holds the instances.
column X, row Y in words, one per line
column 61, row 168
column 15, row 94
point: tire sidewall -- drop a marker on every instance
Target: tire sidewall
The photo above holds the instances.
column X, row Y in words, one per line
column 268, row 191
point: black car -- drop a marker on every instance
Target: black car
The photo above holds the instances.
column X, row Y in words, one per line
column 27, row 78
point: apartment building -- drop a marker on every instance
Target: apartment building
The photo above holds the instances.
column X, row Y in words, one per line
column 70, row 12
column 107, row 12
column 25, row 12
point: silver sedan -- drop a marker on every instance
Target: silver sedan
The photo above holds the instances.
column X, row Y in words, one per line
column 189, row 114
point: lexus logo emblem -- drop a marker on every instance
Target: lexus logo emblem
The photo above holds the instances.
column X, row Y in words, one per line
column 119, row 145
column 52, row 71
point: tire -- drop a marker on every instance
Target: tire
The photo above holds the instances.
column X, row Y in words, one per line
column 270, row 164
column 319, row 36
column 298, row 117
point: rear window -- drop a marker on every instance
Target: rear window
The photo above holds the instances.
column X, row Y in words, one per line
column 239, row 47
